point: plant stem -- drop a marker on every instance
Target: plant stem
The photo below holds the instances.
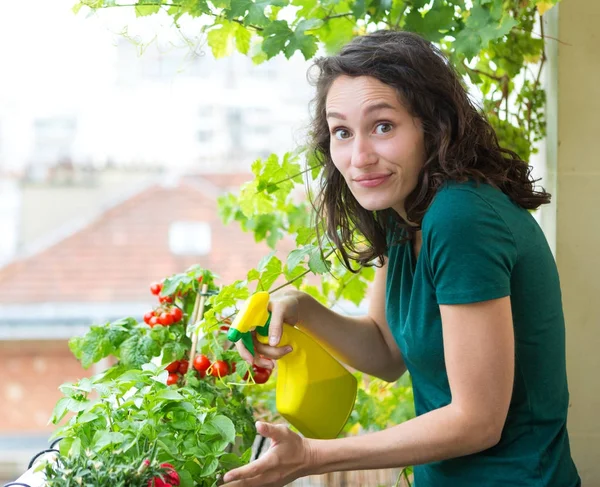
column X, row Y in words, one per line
column 299, row 275
column 198, row 316
column 289, row 178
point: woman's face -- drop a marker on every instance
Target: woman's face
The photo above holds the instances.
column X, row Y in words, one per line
column 375, row 143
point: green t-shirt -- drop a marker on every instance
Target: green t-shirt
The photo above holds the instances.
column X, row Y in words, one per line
column 479, row 245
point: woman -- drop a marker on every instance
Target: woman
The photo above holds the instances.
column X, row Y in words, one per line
column 466, row 295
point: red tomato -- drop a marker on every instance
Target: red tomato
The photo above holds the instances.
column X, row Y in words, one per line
column 148, row 316
column 232, row 367
column 173, row 367
column 172, row 379
column 165, row 299
column 184, row 365
column 153, row 321
column 261, row 376
column 165, row 319
column 176, row 313
column 200, row 279
column 256, row 368
column 201, row 363
column 155, row 288
column 219, row 369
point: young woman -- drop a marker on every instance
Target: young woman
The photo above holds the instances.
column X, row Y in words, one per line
column 466, row 295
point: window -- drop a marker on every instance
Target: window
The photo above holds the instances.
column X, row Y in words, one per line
column 53, row 138
column 204, row 135
column 190, row 238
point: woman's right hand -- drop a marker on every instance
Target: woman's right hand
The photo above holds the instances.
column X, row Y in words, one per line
column 284, row 309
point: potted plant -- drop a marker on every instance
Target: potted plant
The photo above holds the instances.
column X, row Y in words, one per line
column 151, row 418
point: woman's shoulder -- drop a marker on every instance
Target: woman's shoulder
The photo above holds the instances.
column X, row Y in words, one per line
column 456, row 201
column 467, row 209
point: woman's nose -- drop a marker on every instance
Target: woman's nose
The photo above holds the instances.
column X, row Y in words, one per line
column 363, row 153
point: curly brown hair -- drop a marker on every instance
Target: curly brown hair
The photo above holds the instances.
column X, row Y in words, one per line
column 460, row 144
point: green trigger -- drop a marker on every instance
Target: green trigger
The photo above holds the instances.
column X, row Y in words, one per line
column 247, row 341
column 264, row 330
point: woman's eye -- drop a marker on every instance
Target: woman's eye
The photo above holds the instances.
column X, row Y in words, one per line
column 383, row 128
column 341, row 134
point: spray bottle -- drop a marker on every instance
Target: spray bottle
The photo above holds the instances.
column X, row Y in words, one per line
column 314, row 392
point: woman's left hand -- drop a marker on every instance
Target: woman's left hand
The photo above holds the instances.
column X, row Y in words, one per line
column 288, row 458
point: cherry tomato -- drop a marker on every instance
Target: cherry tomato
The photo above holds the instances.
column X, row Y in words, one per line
column 184, row 365
column 173, row 367
column 176, row 313
column 257, row 368
column 154, row 321
column 261, row 376
column 232, row 367
column 165, row 299
column 165, row 319
column 201, row 363
column 172, row 379
column 199, row 280
column 224, row 328
column 219, row 369
column 155, row 288
column 148, row 316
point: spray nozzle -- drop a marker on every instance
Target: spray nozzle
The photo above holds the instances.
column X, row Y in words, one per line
column 254, row 315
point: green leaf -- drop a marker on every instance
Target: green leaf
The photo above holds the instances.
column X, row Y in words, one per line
column 223, row 426
column 297, row 255
column 305, row 43
column 242, row 39
column 210, row 467
column 171, row 284
column 335, row 34
column 270, row 269
column 230, row 461
column 276, row 36
column 93, row 347
column 305, row 235
column 169, row 395
column 468, row 43
column 102, row 439
column 254, row 202
column 292, row 275
column 316, row 263
column 220, row 39
column 354, row 290
column 138, row 350
column 185, row 478
column 144, row 10
column 60, row 410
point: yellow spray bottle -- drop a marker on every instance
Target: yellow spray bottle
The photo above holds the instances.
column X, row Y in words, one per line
column 314, row 392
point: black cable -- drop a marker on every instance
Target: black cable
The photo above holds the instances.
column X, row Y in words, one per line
column 16, row 483
column 53, row 444
column 261, row 444
column 37, row 455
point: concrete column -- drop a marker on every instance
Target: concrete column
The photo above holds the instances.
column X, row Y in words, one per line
column 574, row 117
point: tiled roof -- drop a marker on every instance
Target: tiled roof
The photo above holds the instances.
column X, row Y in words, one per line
column 117, row 256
